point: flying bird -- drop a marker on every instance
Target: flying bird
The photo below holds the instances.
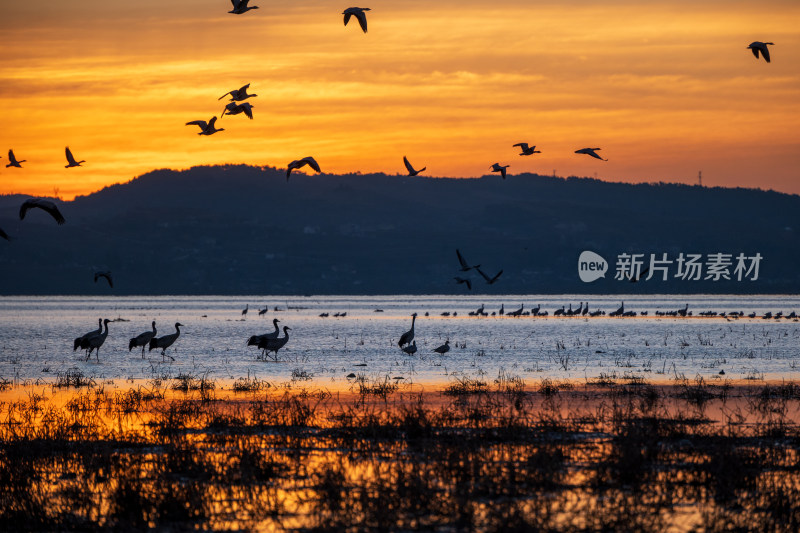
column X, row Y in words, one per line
column 758, row 46
column 234, row 109
column 489, row 280
column 411, row 171
column 443, row 349
column 14, row 162
column 206, row 128
column 464, row 265
column 237, row 95
column 591, row 152
column 71, row 160
column 525, row 150
column 463, row 280
column 143, row 339
column 497, row 167
column 298, row 163
column 104, row 274
column 240, row 6
column 45, row 205
column 359, row 14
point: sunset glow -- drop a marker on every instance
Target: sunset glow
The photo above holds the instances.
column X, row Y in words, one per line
column 665, row 90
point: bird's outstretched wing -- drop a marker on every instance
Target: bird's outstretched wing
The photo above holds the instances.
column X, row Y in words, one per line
column 227, row 93
column 483, row 275
column 496, row 276
column 202, row 123
column 408, row 165
column 312, row 163
column 4, row 235
column 347, row 18
column 212, row 122
column 248, row 110
column 362, row 20
column 503, row 172
column 70, row 159
column 765, row 53
column 523, row 146
column 462, row 260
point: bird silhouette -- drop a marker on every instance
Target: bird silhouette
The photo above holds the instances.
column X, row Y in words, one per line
column 104, row 274
column 4, row 235
column 143, row 339
column 408, row 336
column 71, row 160
column 238, row 95
column 240, row 6
column 254, row 340
column 298, row 163
column 45, row 205
column 96, row 341
column 206, row 128
column 497, row 167
column 80, row 340
column 13, row 160
column 443, row 349
column 273, row 345
column 591, row 152
column 411, row 171
column 489, row 280
column 234, row 109
column 358, row 12
column 463, row 262
column 525, row 150
column 463, row 280
column 758, row 46
column 411, row 349
column 166, row 341
column 246, row 308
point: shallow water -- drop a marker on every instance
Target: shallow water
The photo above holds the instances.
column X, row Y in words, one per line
column 37, row 333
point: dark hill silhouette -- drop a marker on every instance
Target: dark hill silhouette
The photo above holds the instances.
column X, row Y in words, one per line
column 245, row 230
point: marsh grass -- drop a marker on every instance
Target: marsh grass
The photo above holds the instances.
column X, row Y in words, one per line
column 632, row 456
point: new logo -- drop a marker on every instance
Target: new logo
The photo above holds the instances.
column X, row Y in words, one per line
column 591, row 266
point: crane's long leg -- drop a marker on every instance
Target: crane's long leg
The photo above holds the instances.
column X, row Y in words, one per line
column 142, row 351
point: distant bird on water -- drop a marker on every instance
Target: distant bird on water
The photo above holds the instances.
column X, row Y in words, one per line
column 591, row 152
column 71, row 160
column 497, row 167
column 358, row 12
column 240, row 6
column 463, row 262
column 238, row 95
column 525, row 150
column 263, row 311
column 96, row 341
column 254, row 340
column 298, row 163
column 206, row 128
column 411, row 349
column 143, row 339
column 411, row 171
column 273, row 345
column 489, row 280
column 104, row 274
column 80, row 340
column 463, row 280
column 45, row 205
column 166, row 341
column 408, row 336
column 244, row 311
column 443, row 349
column 234, row 109
column 758, row 46
column 13, row 160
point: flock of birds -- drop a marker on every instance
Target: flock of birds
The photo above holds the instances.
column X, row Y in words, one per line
column 272, row 342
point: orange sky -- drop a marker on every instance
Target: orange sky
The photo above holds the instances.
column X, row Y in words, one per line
column 666, row 90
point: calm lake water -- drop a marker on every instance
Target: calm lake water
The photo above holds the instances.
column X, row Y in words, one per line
column 37, row 333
